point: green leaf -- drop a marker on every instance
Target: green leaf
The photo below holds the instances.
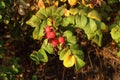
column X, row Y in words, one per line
column 38, row 32
column 118, row 54
column 68, row 20
column 65, row 22
column 76, row 50
column 42, row 14
column 81, row 21
column 78, row 53
column 49, row 21
column 74, row 11
column 93, row 26
column 2, row 4
column 60, row 11
column 64, row 53
column 0, row 17
column 104, row 27
column 39, row 56
column 98, row 38
column 75, row 47
column 34, row 57
column 94, row 15
column 115, row 33
column 34, row 21
column 79, row 62
column 58, row 21
column 47, row 46
column 34, row 77
column 67, row 33
column 88, row 32
column 72, row 39
column 41, row 53
column 49, row 11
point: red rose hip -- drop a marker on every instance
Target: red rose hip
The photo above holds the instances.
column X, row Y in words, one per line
column 50, row 35
column 48, row 29
column 54, row 43
column 61, row 40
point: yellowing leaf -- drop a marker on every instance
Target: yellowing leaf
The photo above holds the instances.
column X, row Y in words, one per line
column 66, row 12
column 83, row 2
column 69, row 61
column 94, row 15
column 72, row 2
column 64, row 53
column 41, row 4
column 63, row 0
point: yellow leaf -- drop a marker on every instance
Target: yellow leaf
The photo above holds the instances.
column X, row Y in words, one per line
column 69, row 61
column 63, row 0
column 41, row 4
column 72, row 2
column 83, row 2
column 56, row 3
column 66, row 12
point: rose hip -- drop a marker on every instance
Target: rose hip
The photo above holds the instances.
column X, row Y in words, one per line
column 50, row 35
column 54, row 43
column 48, row 29
column 61, row 40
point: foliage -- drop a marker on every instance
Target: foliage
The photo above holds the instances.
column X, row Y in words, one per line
column 63, row 24
column 63, row 17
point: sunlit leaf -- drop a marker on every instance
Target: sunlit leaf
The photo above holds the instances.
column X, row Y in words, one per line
column 81, row 21
column 49, row 11
column 42, row 14
column 34, row 21
column 72, row 2
column 38, row 32
column 41, row 4
column 69, row 61
column 63, row 0
column 94, row 15
column 59, row 11
column 67, row 33
column 115, row 33
column 47, row 47
column 93, row 26
column 72, row 39
column 74, row 11
column 64, row 53
column 68, row 20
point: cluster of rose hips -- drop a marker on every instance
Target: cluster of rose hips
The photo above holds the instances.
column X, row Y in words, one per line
column 51, row 36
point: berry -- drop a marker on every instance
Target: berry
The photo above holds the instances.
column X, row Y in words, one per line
column 61, row 40
column 48, row 29
column 50, row 35
column 54, row 43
